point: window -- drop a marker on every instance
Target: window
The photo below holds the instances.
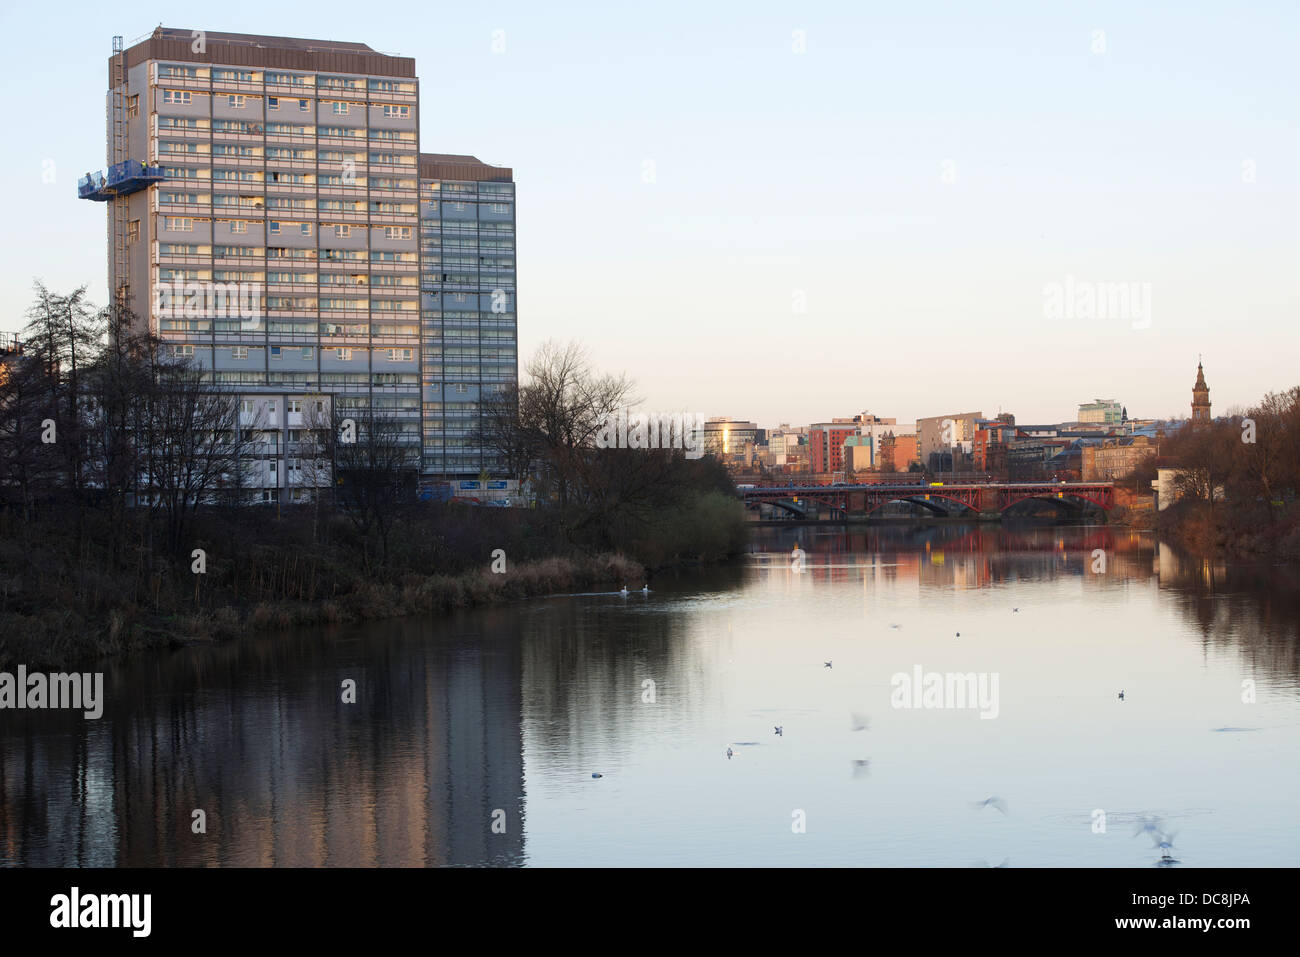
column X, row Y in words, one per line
column 460, row 388
column 181, row 224
column 295, row 405
column 275, row 352
column 304, row 105
column 307, row 352
column 397, row 112
column 344, row 355
column 238, row 226
column 239, row 352
column 236, row 101
column 397, row 232
column 272, row 102
column 182, row 350
column 270, row 407
column 275, row 228
column 133, row 231
column 133, row 105
column 180, row 97
column 339, row 108
column 342, row 231
column 400, row 355
column 304, row 228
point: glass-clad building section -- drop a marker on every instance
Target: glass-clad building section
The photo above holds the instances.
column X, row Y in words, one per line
column 468, row 327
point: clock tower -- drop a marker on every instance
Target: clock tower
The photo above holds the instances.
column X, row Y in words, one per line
column 1200, row 399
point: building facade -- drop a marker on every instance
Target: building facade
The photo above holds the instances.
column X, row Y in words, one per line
column 1103, row 411
column 1116, row 459
column 469, row 341
column 826, row 444
column 291, row 179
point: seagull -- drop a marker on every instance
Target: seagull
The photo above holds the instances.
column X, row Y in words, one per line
column 959, row 634
column 895, row 626
column 983, row 863
column 596, row 775
column 996, row 802
column 826, row 663
column 1015, row 609
column 861, row 766
column 776, row 730
column 624, row 591
column 1121, row 696
column 729, row 753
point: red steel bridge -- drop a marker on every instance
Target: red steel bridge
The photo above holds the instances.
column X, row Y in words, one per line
column 987, row 499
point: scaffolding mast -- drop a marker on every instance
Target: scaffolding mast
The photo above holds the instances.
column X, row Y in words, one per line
column 119, row 249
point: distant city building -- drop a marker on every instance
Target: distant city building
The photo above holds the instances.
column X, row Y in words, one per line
column 898, row 452
column 1105, row 411
column 732, row 440
column 826, row 444
column 989, row 448
column 876, row 428
column 1200, row 399
column 946, row 439
column 1116, row 458
column 859, row 454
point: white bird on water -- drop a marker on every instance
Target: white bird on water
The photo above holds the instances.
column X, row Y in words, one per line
column 645, row 589
column 624, row 591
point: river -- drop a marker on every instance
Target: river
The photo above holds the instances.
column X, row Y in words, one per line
column 474, row 737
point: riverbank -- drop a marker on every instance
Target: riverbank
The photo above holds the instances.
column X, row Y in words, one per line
column 66, row 597
column 1238, row 531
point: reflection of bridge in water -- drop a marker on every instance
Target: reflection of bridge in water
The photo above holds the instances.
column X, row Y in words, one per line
column 984, row 500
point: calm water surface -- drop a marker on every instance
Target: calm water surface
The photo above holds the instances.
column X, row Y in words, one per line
column 505, row 713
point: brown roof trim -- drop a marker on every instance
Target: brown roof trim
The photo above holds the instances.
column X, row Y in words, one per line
column 253, row 50
column 460, row 168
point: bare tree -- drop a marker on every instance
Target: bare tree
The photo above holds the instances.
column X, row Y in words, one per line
column 518, row 448
column 564, row 405
column 375, row 462
column 192, row 446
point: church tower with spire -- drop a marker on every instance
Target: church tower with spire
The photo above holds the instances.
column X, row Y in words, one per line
column 1200, row 399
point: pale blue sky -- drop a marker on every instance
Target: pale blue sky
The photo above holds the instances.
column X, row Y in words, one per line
column 820, row 172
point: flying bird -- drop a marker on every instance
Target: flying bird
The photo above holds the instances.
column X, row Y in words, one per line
column 1121, row 696
column 995, row 801
column 826, row 663
column 776, row 729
